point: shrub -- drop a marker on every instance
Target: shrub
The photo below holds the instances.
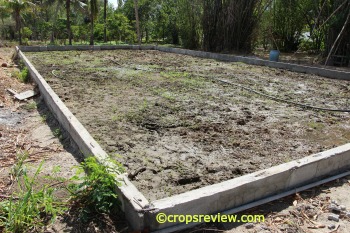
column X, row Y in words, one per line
column 95, row 192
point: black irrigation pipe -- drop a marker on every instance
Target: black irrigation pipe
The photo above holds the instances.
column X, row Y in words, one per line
column 279, row 99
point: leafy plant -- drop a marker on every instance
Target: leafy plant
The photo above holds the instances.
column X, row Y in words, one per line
column 57, row 133
column 22, row 76
column 18, row 169
column 94, row 193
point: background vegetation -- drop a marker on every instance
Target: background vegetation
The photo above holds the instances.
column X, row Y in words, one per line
column 316, row 26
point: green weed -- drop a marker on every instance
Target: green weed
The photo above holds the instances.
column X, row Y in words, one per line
column 18, row 169
column 169, row 96
column 95, row 192
column 315, row 125
column 28, row 209
column 24, row 75
column 30, row 106
column 43, row 118
column 57, row 133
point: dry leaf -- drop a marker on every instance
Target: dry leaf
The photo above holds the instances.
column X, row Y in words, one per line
column 295, row 203
column 317, row 226
column 278, row 219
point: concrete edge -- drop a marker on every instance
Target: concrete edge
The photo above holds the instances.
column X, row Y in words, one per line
column 334, row 74
column 133, row 202
column 83, row 47
column 252, row 187
column 328, row 73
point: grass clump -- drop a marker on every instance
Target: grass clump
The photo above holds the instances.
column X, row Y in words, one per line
column 35, row 205
column 22, row 76
column 30, row 106
column 30, row 207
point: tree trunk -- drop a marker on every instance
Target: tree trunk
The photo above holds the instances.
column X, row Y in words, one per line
column 18, row 16
column 92, row 30
column 68, row 22
column 338, row 37
column 105, row 20
column 136, row 5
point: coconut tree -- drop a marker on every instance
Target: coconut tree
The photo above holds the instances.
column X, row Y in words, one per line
column 69, row 31
column 17, row 7
column 93, row 14
column 105, row 20
column 77, row 5
column 4, row 12
column 136, row 6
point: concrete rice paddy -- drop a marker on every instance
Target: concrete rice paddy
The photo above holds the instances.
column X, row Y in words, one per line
column 175, row 129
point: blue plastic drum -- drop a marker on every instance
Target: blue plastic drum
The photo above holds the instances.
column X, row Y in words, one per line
column 274, row 55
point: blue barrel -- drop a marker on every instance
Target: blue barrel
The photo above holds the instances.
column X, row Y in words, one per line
column 274, row 55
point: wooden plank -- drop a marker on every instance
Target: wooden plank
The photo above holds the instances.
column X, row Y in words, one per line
column 12, row 91
column 25, row 95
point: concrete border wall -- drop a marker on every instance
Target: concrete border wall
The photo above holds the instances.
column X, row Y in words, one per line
column 128, row 193
column 252, row 187
column 329, row 73
column 335, row 74
column 220, row 197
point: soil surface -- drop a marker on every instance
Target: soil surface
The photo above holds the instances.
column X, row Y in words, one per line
column 176, row 129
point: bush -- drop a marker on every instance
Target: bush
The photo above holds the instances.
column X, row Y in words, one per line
column 95, row 192
column 24, row 75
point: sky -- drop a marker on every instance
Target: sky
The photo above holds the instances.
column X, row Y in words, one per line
column 114, row 2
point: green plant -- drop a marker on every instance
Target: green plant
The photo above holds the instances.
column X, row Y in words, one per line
column 316, row 125
column 30, row 106
column 28, row 209
column 95, row 192
column 18, row 169
column 43, row 118
column 23, row 76
column 57, row 133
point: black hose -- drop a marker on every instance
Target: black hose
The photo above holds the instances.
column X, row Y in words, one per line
column 279, row 99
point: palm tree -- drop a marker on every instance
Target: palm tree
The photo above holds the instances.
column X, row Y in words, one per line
column 105, row 20
column 76, row 4
column 136, row 6
column 93, row 14
column 17, row 6
column 69, row 31
column 4, row 13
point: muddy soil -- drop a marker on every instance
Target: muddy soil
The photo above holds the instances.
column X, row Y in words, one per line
column 175, row 129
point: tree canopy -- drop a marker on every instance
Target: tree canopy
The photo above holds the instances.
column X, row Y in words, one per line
column 318, row 26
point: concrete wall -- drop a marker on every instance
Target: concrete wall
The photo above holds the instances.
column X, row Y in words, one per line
column 252, row 187
column 335, row 74
column 329, row 73
column 214, row 198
